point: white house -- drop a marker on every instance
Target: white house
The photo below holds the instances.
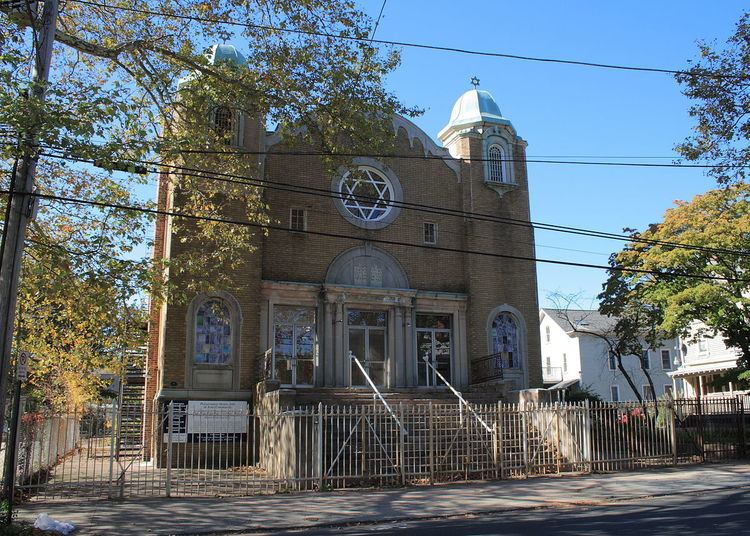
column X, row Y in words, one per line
column 703, row 358
column 573, row 357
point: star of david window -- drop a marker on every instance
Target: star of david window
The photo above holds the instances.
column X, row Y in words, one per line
column 367, row 194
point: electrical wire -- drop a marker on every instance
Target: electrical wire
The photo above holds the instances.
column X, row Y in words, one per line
column 321, row 192
column 407, row 44
column 171, row 213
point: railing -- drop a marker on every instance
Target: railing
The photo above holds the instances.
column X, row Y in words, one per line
column 238, row 451
column 376, row 392
column 487, row 368
column 462, row 401
column 552, row 374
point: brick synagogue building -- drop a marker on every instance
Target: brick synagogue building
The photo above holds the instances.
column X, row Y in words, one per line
column 304, row 306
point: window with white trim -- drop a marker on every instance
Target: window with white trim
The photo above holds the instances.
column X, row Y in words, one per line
column 612, row 360
column 614, row 392
column 297, row 219
column 646, row 359
column 430, row 232
column 666, row 360
column 565, row 362
column 496, row 164
column 648, row 393
column 547, row 333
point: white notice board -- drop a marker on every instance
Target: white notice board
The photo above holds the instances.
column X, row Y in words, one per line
column 217, row 417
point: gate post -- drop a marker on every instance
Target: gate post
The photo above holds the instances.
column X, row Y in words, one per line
column 170, row 421
column 672, row 409
column 701, row 443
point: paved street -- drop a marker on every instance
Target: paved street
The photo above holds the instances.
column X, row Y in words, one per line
column 671, row 496
column 716, row 513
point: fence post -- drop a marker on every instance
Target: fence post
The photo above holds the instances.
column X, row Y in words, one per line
column 321, row 456
column 500, row 438
column 525, row 436
column 431, row 431
column 113, row 438
column 741, row 426
column 701, row 443
column 402, row 443
column 589, row 436
column 558, row 454
column 672, row 408
column 170, row 421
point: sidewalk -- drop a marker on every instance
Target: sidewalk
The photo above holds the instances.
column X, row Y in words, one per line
column 158, row 516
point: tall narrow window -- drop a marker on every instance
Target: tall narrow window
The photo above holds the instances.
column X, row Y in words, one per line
column 565, row 362
column 615, row 393
column 223, row 123
column 297, row 219
column 496, row 164
column 702, row 346
column 612, row 360
column 646, row 359
column 430, row 233
column 666, row 360
column 505, row 339
column 213, row 333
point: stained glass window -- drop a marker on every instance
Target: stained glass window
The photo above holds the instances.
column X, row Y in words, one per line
column 505, row 339
column 213, row 333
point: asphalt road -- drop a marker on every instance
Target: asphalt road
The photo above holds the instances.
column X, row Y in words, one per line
column 715, row 514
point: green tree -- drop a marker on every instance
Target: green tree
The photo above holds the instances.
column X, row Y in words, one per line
column 719, row 83
column 717, row 225
column 113, row 97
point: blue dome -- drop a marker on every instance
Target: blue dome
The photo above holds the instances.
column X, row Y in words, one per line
column 229, row 53
column 476, row 106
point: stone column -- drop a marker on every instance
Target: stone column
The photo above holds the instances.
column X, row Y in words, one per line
column 408, row 318
column 460, row 351
column 340, row 361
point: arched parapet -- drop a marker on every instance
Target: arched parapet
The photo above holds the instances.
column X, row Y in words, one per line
column 429, row 147
column 367, row 266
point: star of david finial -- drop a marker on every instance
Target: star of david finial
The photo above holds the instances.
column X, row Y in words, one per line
column 475, row 82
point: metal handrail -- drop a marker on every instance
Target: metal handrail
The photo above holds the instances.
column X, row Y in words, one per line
column 461, row 399
column 377, row 392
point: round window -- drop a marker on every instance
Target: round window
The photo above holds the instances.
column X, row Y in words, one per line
column 366, row 193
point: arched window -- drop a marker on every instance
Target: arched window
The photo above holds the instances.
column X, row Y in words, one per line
column 227, row 125
column 213, row 333
column 496, row 163
column 505, row 339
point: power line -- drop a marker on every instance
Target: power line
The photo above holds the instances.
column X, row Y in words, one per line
column 407, row 44
column 271, row 227
column 321, row 192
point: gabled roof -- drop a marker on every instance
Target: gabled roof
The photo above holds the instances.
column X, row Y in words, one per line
column 583, row 320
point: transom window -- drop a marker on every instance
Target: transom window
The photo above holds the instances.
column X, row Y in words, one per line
column 367, row 194
column 213, row 333
column 505, row 339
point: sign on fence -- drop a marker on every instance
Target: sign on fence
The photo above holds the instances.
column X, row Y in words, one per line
column 206, row 420
column 22, row 366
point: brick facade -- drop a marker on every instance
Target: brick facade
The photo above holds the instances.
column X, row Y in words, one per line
column 288, row 266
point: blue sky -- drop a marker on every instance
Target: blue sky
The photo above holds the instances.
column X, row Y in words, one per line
column 567, row 110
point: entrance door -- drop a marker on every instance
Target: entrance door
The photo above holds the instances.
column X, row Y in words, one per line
column 434, row 343
column 367, row 341
column 294, row 345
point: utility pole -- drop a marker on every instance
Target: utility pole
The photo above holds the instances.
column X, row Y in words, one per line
column 21, row 201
